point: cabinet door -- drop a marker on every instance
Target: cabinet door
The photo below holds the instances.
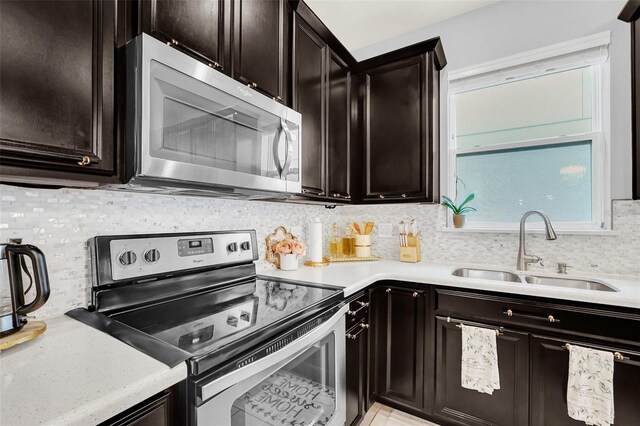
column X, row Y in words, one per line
column 508, row 405
column 550, row 368
column 356, row 352
column 635, row 118
column 195, row 26
column 400, row 335
column 57, row 78
column 395, row 130
column 309, row 99
column 260, row 45
column 159, row 410
column 338, row 140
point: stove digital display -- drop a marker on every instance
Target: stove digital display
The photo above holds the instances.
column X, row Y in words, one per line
column 195, row 247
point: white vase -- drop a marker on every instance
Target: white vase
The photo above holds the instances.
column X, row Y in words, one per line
column 289, row 262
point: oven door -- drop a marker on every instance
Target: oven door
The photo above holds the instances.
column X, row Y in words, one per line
column 194, row 124
column 301, row 384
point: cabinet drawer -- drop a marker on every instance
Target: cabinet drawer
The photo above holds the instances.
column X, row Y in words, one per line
column 613, row 326
column 358, row 309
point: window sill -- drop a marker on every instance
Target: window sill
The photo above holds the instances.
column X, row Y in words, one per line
column 603, row 232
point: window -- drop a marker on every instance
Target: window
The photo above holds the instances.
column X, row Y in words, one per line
column 529, row 133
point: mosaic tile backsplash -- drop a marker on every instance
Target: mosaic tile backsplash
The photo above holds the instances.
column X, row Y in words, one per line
column 61, row 221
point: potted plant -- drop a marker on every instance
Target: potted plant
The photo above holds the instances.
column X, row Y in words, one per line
column 288, row 252
column 460, row 210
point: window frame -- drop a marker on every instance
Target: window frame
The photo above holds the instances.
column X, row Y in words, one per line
column 530, row 65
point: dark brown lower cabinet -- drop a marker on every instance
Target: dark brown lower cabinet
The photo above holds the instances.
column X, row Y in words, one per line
column 159, row 410
column 508, row 405
column 357, row 356
column 399, row 346
column 549, row 374
column 356, row 353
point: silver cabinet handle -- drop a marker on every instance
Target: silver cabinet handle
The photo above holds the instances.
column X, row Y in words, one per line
column 362, row 306
column 363, row 327
column 549, row 318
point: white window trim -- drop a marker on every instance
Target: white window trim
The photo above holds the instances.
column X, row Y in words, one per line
column 526, row 65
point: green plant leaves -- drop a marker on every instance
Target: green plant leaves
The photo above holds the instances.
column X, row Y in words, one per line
column 461, row 209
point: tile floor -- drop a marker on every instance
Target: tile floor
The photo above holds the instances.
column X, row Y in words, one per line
column 381, row 415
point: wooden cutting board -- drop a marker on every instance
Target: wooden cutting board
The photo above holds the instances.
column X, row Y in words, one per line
column 30, row 331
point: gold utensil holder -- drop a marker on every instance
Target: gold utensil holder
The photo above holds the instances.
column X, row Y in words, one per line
column 412, row 253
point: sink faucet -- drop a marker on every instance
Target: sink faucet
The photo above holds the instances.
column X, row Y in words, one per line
column 523, row 258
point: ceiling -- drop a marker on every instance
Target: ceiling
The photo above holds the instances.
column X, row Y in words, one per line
column 361, row 23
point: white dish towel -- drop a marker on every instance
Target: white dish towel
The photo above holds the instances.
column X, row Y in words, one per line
column 590, row 386
column 479, row 359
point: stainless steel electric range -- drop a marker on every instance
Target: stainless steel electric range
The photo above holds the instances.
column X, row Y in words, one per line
column 259, row 351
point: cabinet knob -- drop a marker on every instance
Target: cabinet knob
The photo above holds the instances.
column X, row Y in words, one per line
column 85, row 161
column 215, row 64
column 551, row 318
column 174, row 41
column 415, row 294
column 348, row 197
column 253, row 85
column 381, row 195
column 388, row 290
column 404, row 195
column 321, row 193
column 509, row 313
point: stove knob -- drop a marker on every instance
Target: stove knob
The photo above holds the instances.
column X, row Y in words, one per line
column 151, row 255
column 232, row 248
column 127, row 258
column 232, row 321
column 245, row 246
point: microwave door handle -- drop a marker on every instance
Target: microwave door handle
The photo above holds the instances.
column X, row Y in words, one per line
column 289, row 152
column 276, row 148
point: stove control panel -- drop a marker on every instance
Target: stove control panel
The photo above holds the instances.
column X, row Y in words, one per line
column 141, row 256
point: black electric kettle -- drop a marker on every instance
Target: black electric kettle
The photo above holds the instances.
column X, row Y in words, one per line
column 13, row 309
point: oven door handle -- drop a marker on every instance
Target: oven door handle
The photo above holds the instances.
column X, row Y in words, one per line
column 283, row 356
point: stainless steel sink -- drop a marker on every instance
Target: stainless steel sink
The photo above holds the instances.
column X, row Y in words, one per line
column 487, row 274
column 568, row 283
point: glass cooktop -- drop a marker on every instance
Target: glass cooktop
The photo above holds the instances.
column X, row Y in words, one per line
column 206, row 322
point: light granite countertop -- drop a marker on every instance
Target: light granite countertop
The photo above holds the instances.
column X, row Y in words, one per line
column 76, row 375
column 354, row 276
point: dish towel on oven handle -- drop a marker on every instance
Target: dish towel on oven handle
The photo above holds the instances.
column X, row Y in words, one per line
column 590, row 386
column 479, row 370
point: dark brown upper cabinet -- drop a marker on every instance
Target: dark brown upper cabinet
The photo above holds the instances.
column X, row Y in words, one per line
column 631, row 14
column 57, row 96
column 399, row 104
column 260, row 46
column 309, row 99
column 338, row 128
column 321, row 70
column 197, row 27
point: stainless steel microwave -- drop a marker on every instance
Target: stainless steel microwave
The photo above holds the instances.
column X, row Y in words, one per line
column 192, row 128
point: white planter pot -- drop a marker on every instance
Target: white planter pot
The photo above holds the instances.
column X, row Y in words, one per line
column 288, row 262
